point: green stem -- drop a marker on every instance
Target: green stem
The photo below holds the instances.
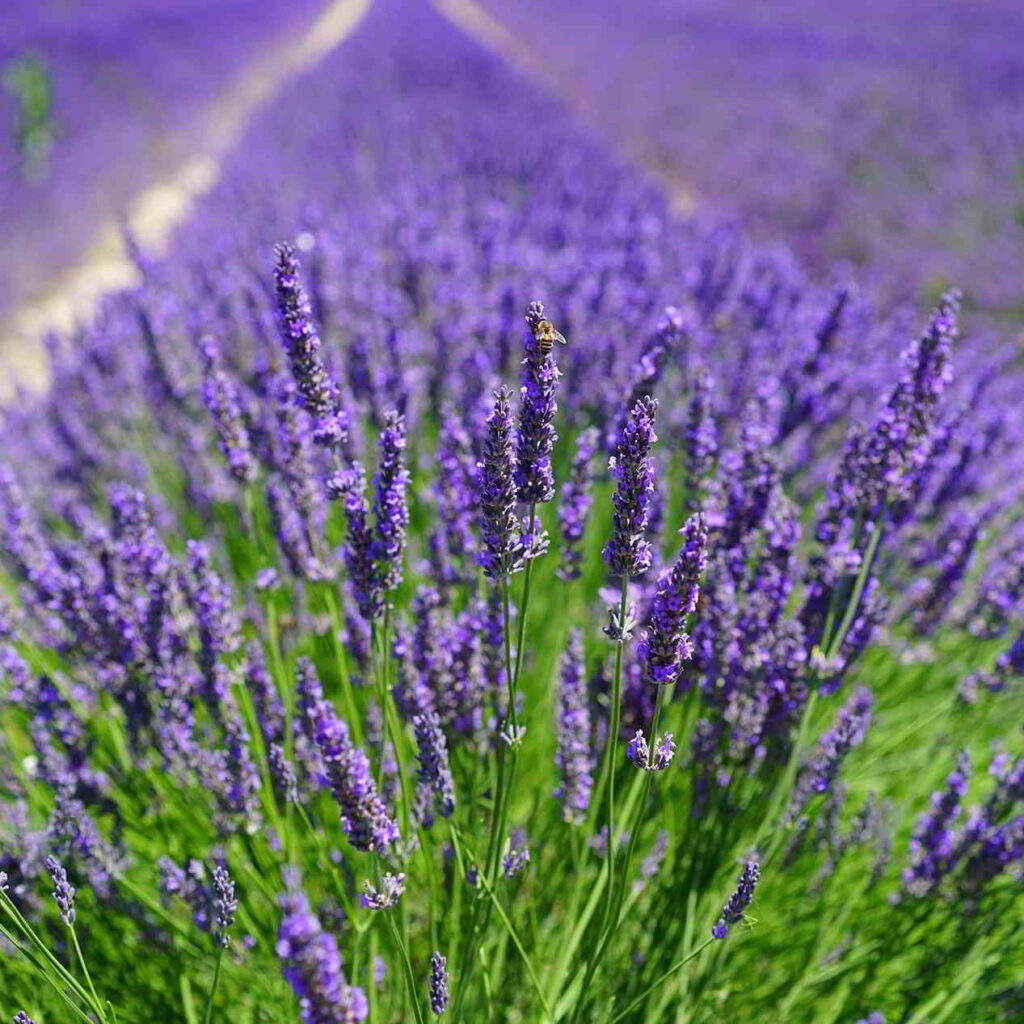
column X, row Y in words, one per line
column 612, row 747
column 661, row 980
column 513, row 935
column 347, row 692
column 213, row 987
column 410, row 977
column 853, row 604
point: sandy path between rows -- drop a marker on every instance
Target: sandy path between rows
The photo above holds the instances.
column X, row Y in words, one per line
column 483, row 26
column 155, row 212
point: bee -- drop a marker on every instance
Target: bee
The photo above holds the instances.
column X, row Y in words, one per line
column 545, row 335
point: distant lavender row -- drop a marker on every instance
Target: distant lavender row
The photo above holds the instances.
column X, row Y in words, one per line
column 127, row 82
column 887, row 132
column 266, row 523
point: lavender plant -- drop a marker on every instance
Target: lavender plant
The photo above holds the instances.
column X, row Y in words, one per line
column 311, row 703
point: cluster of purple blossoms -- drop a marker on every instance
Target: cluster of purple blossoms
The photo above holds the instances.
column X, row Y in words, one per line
column 574, row 508
column 972, row 855
column 225, row 904
column 502, row 552
column 741, row 898
column 312, row 965
column 390, row 508
column 639, row 753
column 221, row 397
column 932, row 841
column 63, row 891
column 384, row 896
column 821, row 772
column 318, row 391
column 700, row 436
column 373, row 554
column 438, row 983
column 516, row 857
column 664, row 645
column 628, row 552
column 573, row 756
column 535, row 480
column 435, row 771
column 364, row 816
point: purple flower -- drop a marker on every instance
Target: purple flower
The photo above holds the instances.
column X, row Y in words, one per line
column 292, row 535
column 21, row 1017
column 282, row 774
column 391, row 514
column 364, row 818
column 63, row 891
column 433, row 754
column 639, row 754
column 516, row 857
column 572, row 727
column 312, row 966
column 651, row 864
column 391, row 888
column 221, row 397
column 219, row 630
column 700, row 438
column 738, row 902
column 819, row 775
column 358, row 551
column 628, row 552
column 664, row 645
column 224, row 904
column 535, row 481
column 574, row 507
column 438, row 983
column 503, row 544
column 317, row 390
column 932, row 841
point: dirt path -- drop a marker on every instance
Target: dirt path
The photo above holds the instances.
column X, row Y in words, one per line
column 157, row 210
column 481, row 25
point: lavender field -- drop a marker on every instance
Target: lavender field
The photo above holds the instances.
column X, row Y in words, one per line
column 455, row 582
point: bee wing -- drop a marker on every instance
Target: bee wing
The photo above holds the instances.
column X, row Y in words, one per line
column 559, row 337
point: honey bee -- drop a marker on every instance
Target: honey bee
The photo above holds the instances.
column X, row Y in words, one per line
column 545, row 335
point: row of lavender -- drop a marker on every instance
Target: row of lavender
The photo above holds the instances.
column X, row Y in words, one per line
column 96, row 100
column 227, row 629
column 887, row 133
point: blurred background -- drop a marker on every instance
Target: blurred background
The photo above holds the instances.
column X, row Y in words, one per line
column 98, row 98
column 889, row 133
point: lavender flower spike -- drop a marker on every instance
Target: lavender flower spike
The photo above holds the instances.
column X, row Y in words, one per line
column 21, row 1017
column 849, row 730
column 535, row 480
column 575, row 504
column 932, row 841
column 700, row 437
column 628, row 553
column 318, row 392
column 738, row 902
column 435, row 771
column 358, row 550
column 391, row 888
column 665, row 645
column 313, row 968
column 391, row 513
column 63, row 891
column 225, row 904
column 438, row 983
column 573, row 758
column 503, row 548
column 364, row 817
column 221, row 398
column 639, row 754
